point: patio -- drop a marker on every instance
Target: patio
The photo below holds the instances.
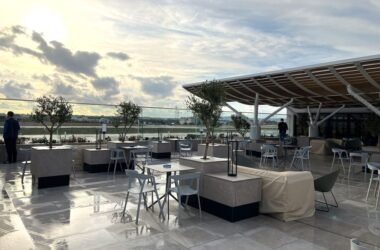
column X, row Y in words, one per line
column 86, row 215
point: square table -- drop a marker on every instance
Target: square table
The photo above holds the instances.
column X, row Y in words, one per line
column 175, row 167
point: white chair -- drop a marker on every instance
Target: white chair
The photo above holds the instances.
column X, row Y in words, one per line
column 268, row 152
column 185, row 185
column 356, row 245
column 139, row 158
column 117, row 156
column 145, row 184
column 373, row 167
column 185, row 148
column 342, row 155
column 301, row 155
column 358, row 160
column 26, row 162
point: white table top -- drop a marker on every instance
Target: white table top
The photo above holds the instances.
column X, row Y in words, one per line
column 174, row 167
column 374, row 164
column 134, row 147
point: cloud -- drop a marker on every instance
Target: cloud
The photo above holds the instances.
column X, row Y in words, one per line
column 14, row 90
column 118, row 55
column 106, row 85
column 161, row 86
column 80, row 62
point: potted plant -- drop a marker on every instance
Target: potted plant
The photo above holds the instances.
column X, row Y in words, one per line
column 207, row 105
column 51, row 166
column 52, row 112
column 241, row 125
column 126, row 115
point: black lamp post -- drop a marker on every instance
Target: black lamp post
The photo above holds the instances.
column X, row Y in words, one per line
column 232, row 161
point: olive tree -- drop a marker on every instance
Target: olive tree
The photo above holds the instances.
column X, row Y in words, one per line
column 241, row 125
column 52, row 112
column 207, row 105
column 126, row 115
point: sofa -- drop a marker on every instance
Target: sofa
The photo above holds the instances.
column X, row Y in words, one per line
column 287, row 195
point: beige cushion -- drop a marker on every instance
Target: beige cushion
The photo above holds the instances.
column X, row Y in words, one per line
column 285, row 195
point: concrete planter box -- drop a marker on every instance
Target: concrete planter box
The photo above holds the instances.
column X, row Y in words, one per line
column 211, row 165
column 119, row 144
column 216, row 150
column 51, row 167
column 161, row 149
column 96, row 160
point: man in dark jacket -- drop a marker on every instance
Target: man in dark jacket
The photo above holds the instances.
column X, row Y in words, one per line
column 10, row 134
column 282, row 128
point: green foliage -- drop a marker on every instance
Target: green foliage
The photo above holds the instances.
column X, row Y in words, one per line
column 52, row 112
column 241, row 125
column 126, row 115
column 207, row 105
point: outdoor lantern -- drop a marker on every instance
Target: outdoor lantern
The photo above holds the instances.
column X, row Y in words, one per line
column 232, row 149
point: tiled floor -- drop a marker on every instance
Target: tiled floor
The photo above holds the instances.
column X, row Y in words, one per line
column 71, row 218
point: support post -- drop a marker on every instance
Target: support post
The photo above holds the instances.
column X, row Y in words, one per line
column 362, row 100
column 314, row 125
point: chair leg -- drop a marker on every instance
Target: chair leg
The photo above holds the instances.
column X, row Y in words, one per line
column 125, row 205
column 138, row 209
column 325, row 203
column 114, row 167
column 377, row 198
column 109, row 165
column 23, row 173
column 160, row 205
column 187, row 201
column 341, row 160
column 369, row 186
column 336, row 203
column 179, row 206
column 199, row 206
column 333, row 161
column 261, row 161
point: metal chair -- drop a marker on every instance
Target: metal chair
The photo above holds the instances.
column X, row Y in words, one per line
column 342, row 155
column 373, row 167
column 356, row 245
column 185, row 148
column 300, row 155
column 117, row 156
column 26, row 162
column 268, row 152
column 145, row 184
column 358, row 160
column 325, row 184
column 185, row 185
column 139, row 157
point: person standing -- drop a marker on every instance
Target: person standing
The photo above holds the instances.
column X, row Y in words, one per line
column 282, row 128
column 10, row 134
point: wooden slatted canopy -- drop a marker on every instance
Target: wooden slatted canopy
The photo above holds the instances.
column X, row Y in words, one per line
column 310, row 85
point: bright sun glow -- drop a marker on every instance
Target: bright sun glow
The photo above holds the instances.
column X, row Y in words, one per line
column 44, row 20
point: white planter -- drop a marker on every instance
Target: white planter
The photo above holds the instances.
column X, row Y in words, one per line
column 51, row 167
column 216, row 150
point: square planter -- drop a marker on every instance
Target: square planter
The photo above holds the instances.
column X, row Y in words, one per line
column 216, row 150
column 161, row 150
column 51, row 167
column 96, row 160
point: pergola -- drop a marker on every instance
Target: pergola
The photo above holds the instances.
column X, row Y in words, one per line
column 335, row 85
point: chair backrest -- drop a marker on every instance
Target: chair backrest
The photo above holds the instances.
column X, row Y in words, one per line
column 359, row 157
column 185, row 144
column 268, row 149
column 189, row 177
column 355, row 245
column 325, row 183
column 26, row 152
column 117, row 152
column 142, row 178
column 305, row 151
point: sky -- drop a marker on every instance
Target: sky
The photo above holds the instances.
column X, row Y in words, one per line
column 105, row 52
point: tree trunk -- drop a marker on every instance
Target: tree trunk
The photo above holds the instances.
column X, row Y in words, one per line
column 51, row 140
column 206, row 147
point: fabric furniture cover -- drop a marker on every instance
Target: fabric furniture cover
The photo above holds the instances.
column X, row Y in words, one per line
column 285, row 195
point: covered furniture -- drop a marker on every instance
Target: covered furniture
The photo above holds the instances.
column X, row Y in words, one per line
column 285, row 195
